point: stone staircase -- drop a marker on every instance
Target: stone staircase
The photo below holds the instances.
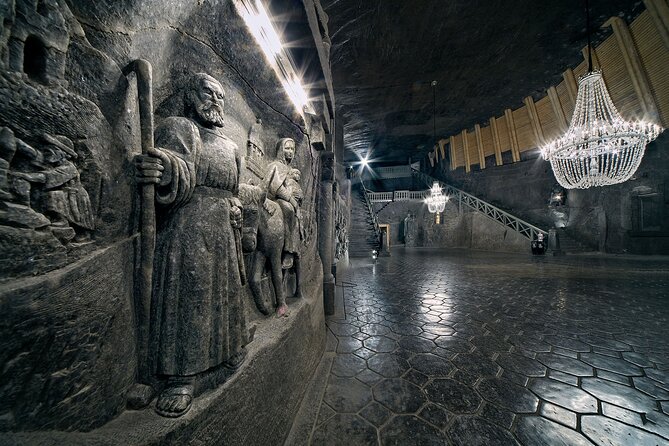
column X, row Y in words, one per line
column 569, row 245
column 362, row 239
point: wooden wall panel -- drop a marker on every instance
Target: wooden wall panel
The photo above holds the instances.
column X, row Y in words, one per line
column 526, row 140
column 486, row 137
column 504, row 138
column 473, row 147
column 565, row 100
column 617, row 79
column 459, row 151
column 547, row 118
column 655, row 59
column 651, row 66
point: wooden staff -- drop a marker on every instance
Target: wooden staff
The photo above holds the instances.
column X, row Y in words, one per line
column 142, row 70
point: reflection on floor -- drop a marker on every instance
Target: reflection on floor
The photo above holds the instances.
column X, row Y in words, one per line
column 467, row 348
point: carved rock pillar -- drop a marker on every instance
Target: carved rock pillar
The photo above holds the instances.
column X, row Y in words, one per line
column 325, row 229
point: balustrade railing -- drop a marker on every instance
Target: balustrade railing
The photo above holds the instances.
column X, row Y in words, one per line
column 510, row 221
column 520, row 226
column 366, row 193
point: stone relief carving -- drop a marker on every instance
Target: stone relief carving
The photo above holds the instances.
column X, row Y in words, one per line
column 197, row 312
column 255, row 156
column 409, row 227
column 66, row 187
column 273, row 227
column 41, row 190
column 341, row 224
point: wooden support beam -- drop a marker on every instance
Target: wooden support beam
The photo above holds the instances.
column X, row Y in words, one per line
column 454, row 161
column 510, row 124
column 557, row 109
column 634, row 67
column 572, row 85
column 442, row 148
column 534, row 120
column 495, row 141
column 479, row 146
column 659, row 12
column 465, row 146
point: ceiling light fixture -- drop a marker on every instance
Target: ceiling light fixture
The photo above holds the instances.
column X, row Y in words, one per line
column 600, row 147
column 436, row 201
column 257, row 20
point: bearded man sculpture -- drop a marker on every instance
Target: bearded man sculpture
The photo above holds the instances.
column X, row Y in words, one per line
column 197, row 312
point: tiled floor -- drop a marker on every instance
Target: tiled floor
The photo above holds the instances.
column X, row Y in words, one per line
column 466, row 348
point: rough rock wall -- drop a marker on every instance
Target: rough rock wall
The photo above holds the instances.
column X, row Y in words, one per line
column 630, row 217
column 457, row 228
column 69, row 131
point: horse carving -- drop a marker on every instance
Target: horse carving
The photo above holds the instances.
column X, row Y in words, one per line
column 263, row 236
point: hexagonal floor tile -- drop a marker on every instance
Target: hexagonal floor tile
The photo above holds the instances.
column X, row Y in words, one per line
column 508, row 395
column 564, row 395
column 474, row 431
column 399, row 395
column 521, row 365
column 538, row 431
column 431, row 365
column 411, row 430
column 344, row 430
column 347, row 365
column 388, row 365
column 453, row 395
column 347, row 394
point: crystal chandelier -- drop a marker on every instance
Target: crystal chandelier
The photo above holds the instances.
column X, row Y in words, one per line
column 436, row 201
column 599, row 148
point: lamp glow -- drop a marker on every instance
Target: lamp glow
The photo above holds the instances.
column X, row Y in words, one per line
column 599, row 148
column 436, row 201
column 257, row 20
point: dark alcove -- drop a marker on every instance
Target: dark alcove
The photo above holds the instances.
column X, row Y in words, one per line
column 34, row 59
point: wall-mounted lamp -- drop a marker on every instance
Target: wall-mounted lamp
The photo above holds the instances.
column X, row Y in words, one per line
column 257, row 20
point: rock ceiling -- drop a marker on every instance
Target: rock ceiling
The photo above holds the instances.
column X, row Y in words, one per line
column 485, row 55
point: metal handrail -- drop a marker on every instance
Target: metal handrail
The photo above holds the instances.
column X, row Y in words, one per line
column 520, row 226
column 370, row 208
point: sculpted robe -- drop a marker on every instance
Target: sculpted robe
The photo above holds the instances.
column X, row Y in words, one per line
column 279, row 190
column 198, row 317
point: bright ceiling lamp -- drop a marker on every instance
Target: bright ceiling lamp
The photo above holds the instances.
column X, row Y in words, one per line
column 600, row 148
column 436, row 201
column 255, row 16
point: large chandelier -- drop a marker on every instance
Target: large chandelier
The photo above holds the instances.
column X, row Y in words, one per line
column 436, row 201
column 599, row 148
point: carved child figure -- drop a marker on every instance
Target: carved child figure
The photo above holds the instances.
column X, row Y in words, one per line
column 281, row 183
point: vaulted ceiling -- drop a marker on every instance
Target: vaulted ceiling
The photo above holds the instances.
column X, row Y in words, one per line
column 486, row 55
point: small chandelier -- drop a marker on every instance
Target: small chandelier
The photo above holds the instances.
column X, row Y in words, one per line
column 599, row 148
column 436, row 201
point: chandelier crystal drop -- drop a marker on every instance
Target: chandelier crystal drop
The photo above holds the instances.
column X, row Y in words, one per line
column 599, row 148
column 436, row 201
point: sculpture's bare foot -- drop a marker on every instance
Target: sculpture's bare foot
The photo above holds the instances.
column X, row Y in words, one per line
column 287, row 261
column 282, row 310
column 175, row 401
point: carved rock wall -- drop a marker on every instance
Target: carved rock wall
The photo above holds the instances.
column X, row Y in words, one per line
column 629, row 217
column 66, row 280
column 466, row 229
